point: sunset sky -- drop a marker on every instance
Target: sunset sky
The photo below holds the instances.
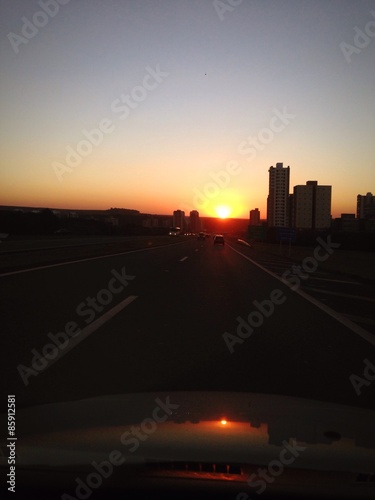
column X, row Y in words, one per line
column 180, row 88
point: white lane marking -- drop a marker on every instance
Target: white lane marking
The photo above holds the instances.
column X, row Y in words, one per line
column 244, row 242
column 281, row 265
column 339, row 294
column 335, row 281
column 38, row 249
column 369, row 337
column 92, row 327
column 360, row 319
column 88, row 258
column 257, row 264
column 183, row 258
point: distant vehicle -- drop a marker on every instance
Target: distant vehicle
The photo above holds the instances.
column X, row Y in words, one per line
column 219, row 239
column 174, row 231
column 201, row 236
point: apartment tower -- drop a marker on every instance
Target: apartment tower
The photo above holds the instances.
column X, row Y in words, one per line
column 278, row 196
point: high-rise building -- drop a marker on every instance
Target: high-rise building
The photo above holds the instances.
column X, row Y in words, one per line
column 303, row 207
column 312, row 206
column 195, row 223
column 366, row 206
column 179, row 219
column 291, row 209
column 254, row 217
column 278, row 195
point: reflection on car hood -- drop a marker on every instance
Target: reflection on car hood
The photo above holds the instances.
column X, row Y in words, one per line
column 224, row 427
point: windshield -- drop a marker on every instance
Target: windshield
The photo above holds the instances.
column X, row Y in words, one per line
column 245, row 130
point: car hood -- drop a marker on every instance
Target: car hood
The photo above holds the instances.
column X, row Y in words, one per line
column 176, row 426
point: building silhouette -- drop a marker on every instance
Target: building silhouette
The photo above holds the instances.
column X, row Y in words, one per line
column 194, row 222
column 179, row 220
column 255, row 217
column 346, row 223
column 366, row 206
column 311, row 206
column 278, row 196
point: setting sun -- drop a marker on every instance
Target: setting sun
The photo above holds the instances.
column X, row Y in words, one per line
column 223, row 211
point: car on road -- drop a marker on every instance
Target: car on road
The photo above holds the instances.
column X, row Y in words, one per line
column 219, row 239
column 201, row 236
column 174, row 231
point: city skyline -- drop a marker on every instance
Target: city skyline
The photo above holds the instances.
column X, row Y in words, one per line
column 180, row 105
column 290, row 192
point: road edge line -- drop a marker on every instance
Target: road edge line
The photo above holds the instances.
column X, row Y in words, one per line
column 369, row 337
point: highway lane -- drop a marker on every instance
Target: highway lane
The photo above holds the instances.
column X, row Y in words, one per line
column 23, row 254
column 351, row 297
column 177, row 332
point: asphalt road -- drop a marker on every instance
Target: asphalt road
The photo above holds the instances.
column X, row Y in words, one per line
column 176, row 318
column 353, row 297
column 25, row 253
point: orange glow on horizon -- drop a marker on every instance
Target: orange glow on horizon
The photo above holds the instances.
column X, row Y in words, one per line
column 77, row 201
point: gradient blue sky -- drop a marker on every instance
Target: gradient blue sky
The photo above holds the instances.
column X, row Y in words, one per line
column 226, row 76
